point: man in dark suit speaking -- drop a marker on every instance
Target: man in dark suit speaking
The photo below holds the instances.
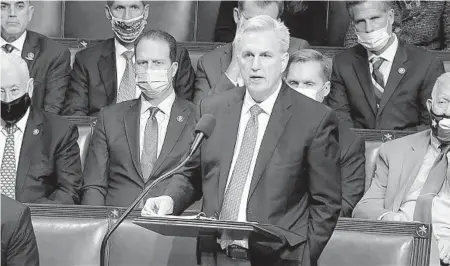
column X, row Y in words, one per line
column 40, row 157
column 273, row 158
column 104, row 74
column 382, row 83
column 47, row 60
column 136, row 141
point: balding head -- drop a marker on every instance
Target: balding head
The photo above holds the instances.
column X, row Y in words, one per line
column 440, row 96
column 15, row 80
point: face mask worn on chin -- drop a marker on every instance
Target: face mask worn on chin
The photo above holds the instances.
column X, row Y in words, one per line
column 375, row 40
column 13, row 111
column 311, row 93
column 440, row 127
column 157, row 82
column 128, row 30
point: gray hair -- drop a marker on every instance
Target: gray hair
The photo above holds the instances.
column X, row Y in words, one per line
column 264, row 23
column 310, row 55
column 387, row 5
column 13, row 62
column 443, row 81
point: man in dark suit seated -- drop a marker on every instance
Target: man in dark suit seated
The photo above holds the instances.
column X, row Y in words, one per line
column 412, row 181
column 309, row 73
column 47, row 60
column 104, row 74
column 382, row 83
column 136, row 141
column 40, row 157
column 19, row 245
column 218, row 70
column 273, row 158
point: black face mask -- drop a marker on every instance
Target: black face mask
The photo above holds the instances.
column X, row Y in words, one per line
column 15, row 110
column 440, row 133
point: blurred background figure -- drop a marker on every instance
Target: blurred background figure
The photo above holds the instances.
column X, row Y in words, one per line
column 305, row 19
column 422, row 23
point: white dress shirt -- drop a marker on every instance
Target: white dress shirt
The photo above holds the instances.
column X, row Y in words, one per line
column 162, row 116
column 18, row 136
column 441, row 202
column 18, row 44
column 388, row 55
column 263, row 120
column 121, row 64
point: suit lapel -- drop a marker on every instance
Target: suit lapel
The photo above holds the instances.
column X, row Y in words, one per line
column 275, row 128
column 30, row 49
column 107, row 70
column 412, row 161
column 228, row 127
column 225, row 59
column 361, row 67
column 33, row 132
column 132, row 124
column 395, row 76
column 173, row 132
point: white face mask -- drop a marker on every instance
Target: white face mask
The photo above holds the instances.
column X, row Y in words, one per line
column 445, row 123
column 156, row 82
column 375, row 40
column 314, row 94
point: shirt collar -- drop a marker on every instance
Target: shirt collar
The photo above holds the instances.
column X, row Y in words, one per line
column 18, row 44
column 21, row 124
column 165, row 106
column 266, row 105
column 120, row 49
column 389, row 53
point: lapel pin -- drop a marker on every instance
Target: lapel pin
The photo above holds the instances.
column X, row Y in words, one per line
column 30, row 56
column 401, row 70
column 83, row 43
column 397, row 30
column 180, row 118
column 35, row 131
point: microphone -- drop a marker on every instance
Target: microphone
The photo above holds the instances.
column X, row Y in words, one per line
column 203, row 130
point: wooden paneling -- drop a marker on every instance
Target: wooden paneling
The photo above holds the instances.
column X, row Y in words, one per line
column 47, row 18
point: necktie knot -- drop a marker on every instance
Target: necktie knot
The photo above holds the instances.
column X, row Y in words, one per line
column 255, row 110
column 128, row 55
column 11, row 129
column 8, row 48
column 153, row 111
column 377, row 62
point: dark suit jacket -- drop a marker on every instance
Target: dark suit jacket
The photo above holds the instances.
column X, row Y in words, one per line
column 49, row 65
column 403, row 104
column 296, row 184
column 93, row 82
column 308, row 24
column 353, row 167
column 49, row 169
column 113, row 175
column 19, row 246
column 211, row 68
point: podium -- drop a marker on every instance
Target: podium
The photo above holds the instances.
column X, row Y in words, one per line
column 195, row 226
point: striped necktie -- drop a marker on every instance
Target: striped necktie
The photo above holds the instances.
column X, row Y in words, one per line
column 377, row 78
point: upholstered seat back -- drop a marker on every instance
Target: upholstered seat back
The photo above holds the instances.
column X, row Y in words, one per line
column 85, row 127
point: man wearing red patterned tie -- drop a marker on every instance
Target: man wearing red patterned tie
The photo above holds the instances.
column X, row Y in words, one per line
column 40, row 157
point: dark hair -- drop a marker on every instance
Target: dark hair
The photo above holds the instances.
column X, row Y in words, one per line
column 262, row 4
column 310, row 55
column 350, row 4
column 162, row 36
column 110, row 3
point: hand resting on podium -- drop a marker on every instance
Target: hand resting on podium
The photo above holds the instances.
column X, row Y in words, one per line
column 162, row 205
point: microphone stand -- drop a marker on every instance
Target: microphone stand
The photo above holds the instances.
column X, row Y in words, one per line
column 136, row 202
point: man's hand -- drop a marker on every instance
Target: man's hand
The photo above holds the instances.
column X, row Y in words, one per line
column 233, row 71
column 162, row 205
column 395, row 217
column 444, row 250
